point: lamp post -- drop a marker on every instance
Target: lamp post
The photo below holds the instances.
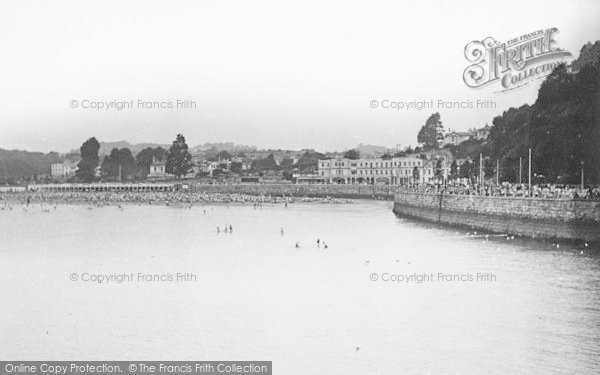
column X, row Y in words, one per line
column 530, row 171
column 582, row 186
column 520, row 169
column 497, row 170
column 480, row 171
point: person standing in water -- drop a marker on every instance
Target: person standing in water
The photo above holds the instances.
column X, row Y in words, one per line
column 318, row 242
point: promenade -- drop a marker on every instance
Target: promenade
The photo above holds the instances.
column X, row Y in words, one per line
column 351, row 191
column 295, row 190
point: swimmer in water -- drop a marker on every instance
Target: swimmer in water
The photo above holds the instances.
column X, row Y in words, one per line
column 297, row 244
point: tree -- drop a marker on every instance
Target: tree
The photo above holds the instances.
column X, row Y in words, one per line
column 270, row 162
column 287, row 163
column 509, row 139
column 438, row 168
column 236, row 167
column 432, row 133
column 454, row 170
column 267, row 163
column 127, row 163
column 146, row 157
column 309, row 161
column 86, row 169
column 120, row 164
column 489, row 168
column 565, row 125
column 223, row 155
column 179, row 160
column 15, row 164
column 352, row 154
column 562, row 128
column 110, row 164
column 467, row 169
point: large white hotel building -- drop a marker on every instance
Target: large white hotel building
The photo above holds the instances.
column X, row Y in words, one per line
column 393, row 171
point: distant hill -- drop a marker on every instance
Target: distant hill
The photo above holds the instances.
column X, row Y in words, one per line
column 371, row 149
column 222, row 146
column 106, row 147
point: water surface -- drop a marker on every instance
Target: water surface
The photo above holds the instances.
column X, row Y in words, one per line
column 310, row 310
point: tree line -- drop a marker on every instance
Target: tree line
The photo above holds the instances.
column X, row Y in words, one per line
column 562, row 128
column 121, row 165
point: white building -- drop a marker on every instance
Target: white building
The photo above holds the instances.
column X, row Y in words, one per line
column 395, row 171
column 455, row 138
column 411, row 170
column 63, row 170
column 367, row 170
column 158, row 170
column 209, row 166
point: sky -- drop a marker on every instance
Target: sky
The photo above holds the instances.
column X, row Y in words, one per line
column 273, row 74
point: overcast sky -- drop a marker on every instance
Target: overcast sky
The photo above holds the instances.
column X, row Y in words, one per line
column 273, row 74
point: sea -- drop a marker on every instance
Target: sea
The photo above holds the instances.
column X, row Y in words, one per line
column 316, row 288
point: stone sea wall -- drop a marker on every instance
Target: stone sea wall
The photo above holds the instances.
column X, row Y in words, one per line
column 531, row 217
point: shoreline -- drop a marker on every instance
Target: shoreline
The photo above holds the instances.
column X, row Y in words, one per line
column 183, row 199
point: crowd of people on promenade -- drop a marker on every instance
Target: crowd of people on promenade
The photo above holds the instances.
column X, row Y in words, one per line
column 158, row 198
column 547, row 191
column 191, row 197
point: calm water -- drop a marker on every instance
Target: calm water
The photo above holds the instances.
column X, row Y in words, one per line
column 258, row 297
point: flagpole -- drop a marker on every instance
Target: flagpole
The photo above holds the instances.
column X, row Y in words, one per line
column 520, row 169
column 582, row 186
column 480, row 171
column 530, row 171
column 497, row 170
